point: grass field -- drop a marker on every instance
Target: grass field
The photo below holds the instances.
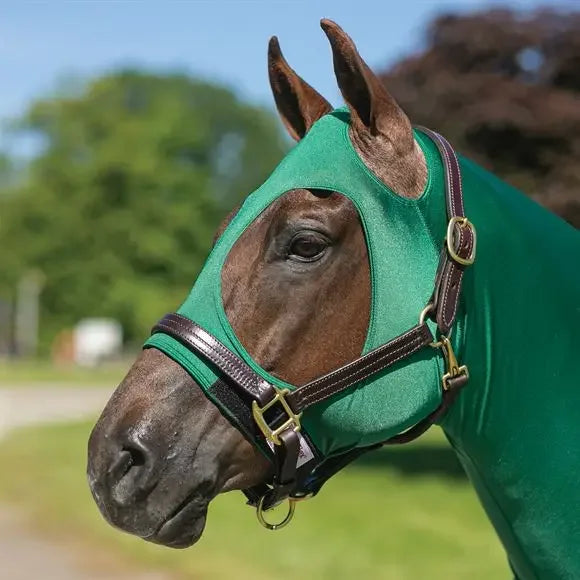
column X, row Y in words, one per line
column 14, row 373
column 399, row 514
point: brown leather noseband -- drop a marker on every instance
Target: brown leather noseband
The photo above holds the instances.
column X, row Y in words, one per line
column 276, row 413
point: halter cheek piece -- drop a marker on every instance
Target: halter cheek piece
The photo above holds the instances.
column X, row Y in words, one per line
column 272, row 416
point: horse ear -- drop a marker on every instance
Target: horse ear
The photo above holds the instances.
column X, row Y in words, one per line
column 373, row 109
column 299, row 105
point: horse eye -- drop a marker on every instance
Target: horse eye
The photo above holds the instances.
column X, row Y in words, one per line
column 307, row 247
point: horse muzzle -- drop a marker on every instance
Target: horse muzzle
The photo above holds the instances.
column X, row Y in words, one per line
column 137, row 492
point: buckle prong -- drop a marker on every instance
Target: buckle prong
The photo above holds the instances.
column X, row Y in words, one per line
column 293, row 420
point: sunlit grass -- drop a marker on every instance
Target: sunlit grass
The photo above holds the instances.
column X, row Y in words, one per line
column 373, row 521
column 31, row 372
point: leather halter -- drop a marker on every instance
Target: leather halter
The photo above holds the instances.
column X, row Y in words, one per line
column 276, row 413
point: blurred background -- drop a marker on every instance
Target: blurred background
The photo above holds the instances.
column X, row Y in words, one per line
column 127, row 131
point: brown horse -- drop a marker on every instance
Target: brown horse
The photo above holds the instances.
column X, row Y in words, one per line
column 159, row 430
column 296, row 289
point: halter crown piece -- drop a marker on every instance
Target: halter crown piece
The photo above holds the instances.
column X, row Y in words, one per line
column 310, row 432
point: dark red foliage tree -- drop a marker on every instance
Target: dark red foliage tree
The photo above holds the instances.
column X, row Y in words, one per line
column 504, row 88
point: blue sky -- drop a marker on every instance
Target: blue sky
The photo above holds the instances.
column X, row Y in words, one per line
column 42, row 42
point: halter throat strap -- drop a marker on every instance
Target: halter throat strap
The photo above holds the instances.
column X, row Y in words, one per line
column 277, row 413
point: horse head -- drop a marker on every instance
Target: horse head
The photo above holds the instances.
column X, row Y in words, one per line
column 296, row 291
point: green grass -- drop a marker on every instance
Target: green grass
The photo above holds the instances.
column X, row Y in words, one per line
column 14, row 373
column 374, row 521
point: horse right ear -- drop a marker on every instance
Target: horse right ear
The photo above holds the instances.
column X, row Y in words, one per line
column 299, row 105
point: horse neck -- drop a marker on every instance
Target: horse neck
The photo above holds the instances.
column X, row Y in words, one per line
column 521, row 308
column 520, row 335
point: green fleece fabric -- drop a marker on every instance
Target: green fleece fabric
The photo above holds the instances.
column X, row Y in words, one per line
column 516, row 426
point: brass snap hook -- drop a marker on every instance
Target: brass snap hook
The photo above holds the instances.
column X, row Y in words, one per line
column 453, row 367
column 260, row 514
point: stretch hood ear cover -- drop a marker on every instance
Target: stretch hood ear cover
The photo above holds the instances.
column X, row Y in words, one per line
column 404, row 237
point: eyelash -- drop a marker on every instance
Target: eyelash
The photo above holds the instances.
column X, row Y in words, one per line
column 315, row 239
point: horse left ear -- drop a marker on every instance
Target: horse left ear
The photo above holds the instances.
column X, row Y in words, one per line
column 373, row 109
column 299, row 105
column 380, row 131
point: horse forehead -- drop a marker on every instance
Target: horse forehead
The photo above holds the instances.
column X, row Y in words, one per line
column 316, row 203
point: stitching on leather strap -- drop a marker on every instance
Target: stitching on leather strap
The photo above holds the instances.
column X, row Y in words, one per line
column 214, row 355
column 240, row 374
column 408, row 336
column 369, row 357
column 451, row 273
column 455, row 302
column 362, row 368
column 202, row 335
column 344, row 382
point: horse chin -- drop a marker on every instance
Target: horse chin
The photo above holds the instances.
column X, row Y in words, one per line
column 180, row 527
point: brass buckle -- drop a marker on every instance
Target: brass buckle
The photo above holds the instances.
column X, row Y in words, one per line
column 453, row 368
column 269, row 433
column 464, row 223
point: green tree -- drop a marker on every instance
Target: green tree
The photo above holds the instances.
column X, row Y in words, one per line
column 504, row 88
column 119, row 207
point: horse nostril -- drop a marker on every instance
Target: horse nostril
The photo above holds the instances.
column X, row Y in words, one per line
column 120, row 466
column 131, row 473
column 137, row 456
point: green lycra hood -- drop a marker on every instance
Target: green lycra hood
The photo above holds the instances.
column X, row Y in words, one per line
column 404, row 238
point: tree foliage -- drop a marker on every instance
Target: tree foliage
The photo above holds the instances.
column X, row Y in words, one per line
column 505, row 90
column 119, row 208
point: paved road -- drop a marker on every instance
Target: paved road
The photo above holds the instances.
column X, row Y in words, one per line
column 24, row 555
column 20, row 406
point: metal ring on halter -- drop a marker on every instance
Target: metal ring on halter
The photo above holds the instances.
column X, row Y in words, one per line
column 260, row 514
column 424, row 312
column 423, row 316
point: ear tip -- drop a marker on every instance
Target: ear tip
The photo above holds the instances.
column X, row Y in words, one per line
column 273, row 44
column 326, row 24
column 274, row 51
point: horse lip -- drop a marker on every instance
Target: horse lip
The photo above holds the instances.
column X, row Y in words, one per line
column 184, row 526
